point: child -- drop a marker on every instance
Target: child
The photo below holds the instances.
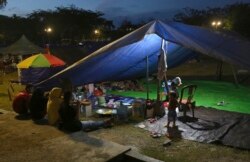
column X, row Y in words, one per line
column 173, row 104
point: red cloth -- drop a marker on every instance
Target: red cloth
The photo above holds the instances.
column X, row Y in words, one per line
column 165, row 104
column 20, row 103
column 98, row 92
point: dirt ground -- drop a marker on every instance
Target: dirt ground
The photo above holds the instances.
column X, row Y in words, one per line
column 18, row 136
column 22, row 138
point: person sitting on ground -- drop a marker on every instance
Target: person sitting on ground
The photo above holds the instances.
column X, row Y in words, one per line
column 173, row 104
column 85, row 92
column 21, row 101
column 69, row 114
column 53, row 105
column 138, row 86
column 37, row 104
column 98, row 91
column 100, row 96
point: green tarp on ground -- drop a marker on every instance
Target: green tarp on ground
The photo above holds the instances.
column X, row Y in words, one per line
column 208, row 94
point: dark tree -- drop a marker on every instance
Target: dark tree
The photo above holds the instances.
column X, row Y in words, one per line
column 233, row 17
column 69, row 24
column 3, row 3
column 238, row 18
column 126, row 27
column 200, row 17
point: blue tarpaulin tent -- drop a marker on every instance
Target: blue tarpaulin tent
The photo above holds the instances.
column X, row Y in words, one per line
column 125, row 58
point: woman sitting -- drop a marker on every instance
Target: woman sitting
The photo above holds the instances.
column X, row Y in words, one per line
column 69, row 114
column 21, row 101
column 37, row 105
column 53, row 105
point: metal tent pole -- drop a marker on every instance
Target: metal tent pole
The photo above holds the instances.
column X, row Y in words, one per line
column 147, row 76
column 219, row 70
column 235, row 76
column 159, row 81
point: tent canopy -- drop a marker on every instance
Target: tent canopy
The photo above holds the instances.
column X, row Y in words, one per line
column 40, row 60
column 22, row 47
column 39, row 67
column 125, row 58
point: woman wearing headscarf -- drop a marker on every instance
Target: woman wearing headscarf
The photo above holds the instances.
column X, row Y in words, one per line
column 53, row 105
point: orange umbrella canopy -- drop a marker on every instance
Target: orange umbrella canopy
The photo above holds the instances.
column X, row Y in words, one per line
column 41, row 60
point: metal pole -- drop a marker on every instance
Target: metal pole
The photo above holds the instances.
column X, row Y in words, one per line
column 147, row 76
column 159, row 72
column 219, row 70
column 235, row 77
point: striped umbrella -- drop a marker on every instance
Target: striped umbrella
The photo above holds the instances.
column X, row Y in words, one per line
column 40, row 60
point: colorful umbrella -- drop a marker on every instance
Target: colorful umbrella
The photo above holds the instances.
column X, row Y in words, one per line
column 41, row 60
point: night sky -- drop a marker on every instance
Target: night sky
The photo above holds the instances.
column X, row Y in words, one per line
column 117, row 10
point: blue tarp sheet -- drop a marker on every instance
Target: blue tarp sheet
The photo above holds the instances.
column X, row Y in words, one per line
column 36, row 75
column 125, row 58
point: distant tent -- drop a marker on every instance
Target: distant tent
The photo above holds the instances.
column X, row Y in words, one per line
column 125, row 58
column 39, row 67
column 22, row 47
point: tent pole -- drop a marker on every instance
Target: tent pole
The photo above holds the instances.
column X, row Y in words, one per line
column 147, row 76
column 164, row 78
column 159, row 82
column 219, row 70
column 158, row 109
column 235, row 77
column 166, row 85
column 19, row 71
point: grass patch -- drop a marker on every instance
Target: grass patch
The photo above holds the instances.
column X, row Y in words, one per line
column 208, row 94
column 6, row 103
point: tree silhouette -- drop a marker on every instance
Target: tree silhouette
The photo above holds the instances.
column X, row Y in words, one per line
column 68, row 23
column 3, row 3
column 234, row 17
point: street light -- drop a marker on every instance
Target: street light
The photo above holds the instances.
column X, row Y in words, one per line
column 216, row 24
column 48, row 30
column 97, row 33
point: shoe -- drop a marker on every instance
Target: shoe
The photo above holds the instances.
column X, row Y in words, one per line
column 141, row 126
column 60, row 126
column 221, row 103
column 168, row 135
column 108, row 123
column 167, row 143
column 155, row 134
